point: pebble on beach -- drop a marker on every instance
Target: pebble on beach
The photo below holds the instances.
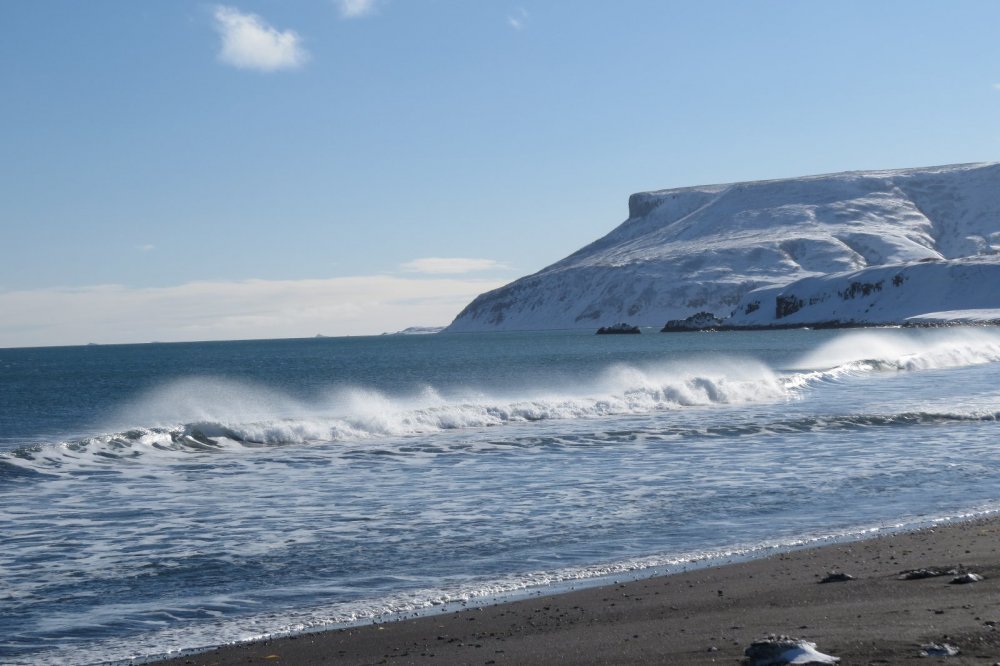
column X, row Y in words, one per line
column 920, row 574
column 938, row 650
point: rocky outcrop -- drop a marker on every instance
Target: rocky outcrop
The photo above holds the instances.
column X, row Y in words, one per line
column 701, row 321
column 618, row 329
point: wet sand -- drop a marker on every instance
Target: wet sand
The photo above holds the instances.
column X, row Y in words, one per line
column 707, row 616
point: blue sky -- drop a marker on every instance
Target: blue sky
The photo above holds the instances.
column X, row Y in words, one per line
column 180, row 170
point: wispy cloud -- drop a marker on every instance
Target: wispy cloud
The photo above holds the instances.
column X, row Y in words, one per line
column 249, row 42
column 232, row 310
column 996, row 86
column 148, row 247
column 518, row 19
column 450, row 265
column 355, row 8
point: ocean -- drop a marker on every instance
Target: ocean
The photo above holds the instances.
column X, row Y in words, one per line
column 162, row 497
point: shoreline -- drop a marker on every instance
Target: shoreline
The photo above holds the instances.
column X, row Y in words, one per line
column 702, row 616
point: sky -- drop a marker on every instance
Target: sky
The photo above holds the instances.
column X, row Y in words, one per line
column 180, row 170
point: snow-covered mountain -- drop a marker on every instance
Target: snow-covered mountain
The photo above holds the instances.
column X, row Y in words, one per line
column 696, row 249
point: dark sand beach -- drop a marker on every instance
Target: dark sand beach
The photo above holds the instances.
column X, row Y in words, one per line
column 706, row 616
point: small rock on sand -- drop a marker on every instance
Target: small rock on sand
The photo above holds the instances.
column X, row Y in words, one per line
column 966, row 578
column 781, row 650
column 938, row 650
column 919, row 574
column 837, row 577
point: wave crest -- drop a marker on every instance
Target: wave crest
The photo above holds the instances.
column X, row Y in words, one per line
column 206, row 415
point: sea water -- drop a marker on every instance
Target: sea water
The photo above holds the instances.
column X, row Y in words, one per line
column 161, row 497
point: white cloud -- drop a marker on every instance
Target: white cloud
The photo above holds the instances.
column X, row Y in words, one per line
column 518, row 19
column 250, row 43
column 355, row 8
column 148, row 247
column 450, row 265
column 232, row 310
column 996, row 86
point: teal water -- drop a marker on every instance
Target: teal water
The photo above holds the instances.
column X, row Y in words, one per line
column 169, row 496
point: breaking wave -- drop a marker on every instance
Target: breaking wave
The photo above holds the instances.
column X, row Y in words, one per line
column 877, row 350
column 205, row 415
column 125, row 447
column 209, row 415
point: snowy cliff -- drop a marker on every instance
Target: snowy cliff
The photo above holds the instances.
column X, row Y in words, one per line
column 697, row 249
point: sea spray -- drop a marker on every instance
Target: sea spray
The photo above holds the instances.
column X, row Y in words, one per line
column 905, row 350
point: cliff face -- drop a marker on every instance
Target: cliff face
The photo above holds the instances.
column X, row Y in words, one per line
column 696, row 249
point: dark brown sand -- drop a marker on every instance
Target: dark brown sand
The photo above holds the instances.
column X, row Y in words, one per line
column 705, row 616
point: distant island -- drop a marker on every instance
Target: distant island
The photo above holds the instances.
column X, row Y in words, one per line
column 618, row 329
column 850, row 249
column 418, row 330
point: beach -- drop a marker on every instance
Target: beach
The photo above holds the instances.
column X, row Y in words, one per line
column 706, row 616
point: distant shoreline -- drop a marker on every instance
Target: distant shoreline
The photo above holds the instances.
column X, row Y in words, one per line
column 701, row 616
